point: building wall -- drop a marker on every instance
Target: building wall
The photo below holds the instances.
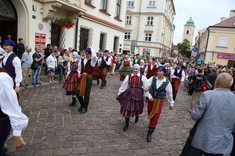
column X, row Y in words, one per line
column 162, row 29
column 190, row 35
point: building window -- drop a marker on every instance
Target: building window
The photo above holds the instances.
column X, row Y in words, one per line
column 84, row 37
column 187, row 32
column 130, row 3
column 152, row 3
column 115, row 44
column 128, row 19
column 55, row 34
column 223, row 41
column 150, row 21
column 148, row 37
column 88, row 1
column 127, row 35
column 102, row 41
column 118, row 8
column 104, row 4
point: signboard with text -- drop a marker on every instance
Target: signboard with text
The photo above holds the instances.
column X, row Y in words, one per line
column 226, row 56
column 40, row 40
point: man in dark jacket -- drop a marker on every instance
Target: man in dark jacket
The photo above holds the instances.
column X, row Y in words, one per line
column 20, row 48
column 47, row 53
column 212, row 77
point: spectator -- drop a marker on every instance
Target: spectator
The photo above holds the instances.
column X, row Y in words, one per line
column 37, row 61
column 26, row 64
column 51, row 65
column 47, row 53
column 20, row 48
column 199, row 61
column 215, row 109
column 212, row 77
column 60, row 67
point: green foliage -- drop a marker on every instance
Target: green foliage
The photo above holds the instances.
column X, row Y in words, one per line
column 184, row 47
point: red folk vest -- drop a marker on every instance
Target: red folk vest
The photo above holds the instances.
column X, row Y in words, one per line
column 152, row 72
column 87, row 68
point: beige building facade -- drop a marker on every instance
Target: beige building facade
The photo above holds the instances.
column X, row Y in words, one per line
column 149, row 26
column 188, row 32
column 97, row 23
column 216, row 43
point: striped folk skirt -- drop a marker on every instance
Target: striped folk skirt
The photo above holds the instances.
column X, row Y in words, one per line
column 71, row 83
column 132, row 102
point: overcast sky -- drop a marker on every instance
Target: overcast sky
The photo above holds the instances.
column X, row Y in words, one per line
column 204, row 13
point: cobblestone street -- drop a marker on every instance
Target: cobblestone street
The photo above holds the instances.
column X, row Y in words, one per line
column 57, row 129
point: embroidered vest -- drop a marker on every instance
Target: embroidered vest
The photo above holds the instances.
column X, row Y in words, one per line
column 178, row 74
column 87, row 68
column 103, row 64
column 159, row 93
column 9, row 66
column 152, row 72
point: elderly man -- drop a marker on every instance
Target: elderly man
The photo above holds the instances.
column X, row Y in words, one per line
column 26, row 64
column 215, row 109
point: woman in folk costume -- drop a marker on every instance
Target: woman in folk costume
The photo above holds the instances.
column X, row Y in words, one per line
column 125, row 69
column 71, row 82
column 142, row 67
column 159, row 87
column 130, row 95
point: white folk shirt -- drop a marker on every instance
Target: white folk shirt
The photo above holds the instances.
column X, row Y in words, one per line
column 10, row 105
column 151, row 67
column 107, row 62
column 93, row 61
column 18, row 70
column 124, row 85
column 168, row 89
column 178, row 70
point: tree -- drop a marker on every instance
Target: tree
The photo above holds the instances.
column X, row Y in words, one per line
column 184, row 47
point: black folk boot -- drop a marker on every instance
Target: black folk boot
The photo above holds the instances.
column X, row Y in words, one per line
column 102, row 86
column 74, row 102
column 81, row 101
column 126, row 124
column 84, row 109
column 136, row 119
column 149, row 135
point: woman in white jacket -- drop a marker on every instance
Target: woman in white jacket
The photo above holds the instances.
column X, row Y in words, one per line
column 51, row 65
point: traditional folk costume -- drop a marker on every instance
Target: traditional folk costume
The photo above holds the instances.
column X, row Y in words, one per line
column 136, row 61
column 86, row 69
column 71, row 82
column 96, row 73
column 11, row 115
column 158, row 90
column 125, row 70
column 151, row 69
column 12, row 64
column 131, row 97
column 177, row 76
column 105, row 62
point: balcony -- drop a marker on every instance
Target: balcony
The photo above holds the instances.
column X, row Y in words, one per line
column 74, row 8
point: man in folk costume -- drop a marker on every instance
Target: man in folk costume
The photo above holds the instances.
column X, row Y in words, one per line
column 11, row 115
column 136, row 60
column 105, row 62
column 177, row 76
column 160, row 87
column 151, row 69
column 130, row 95
column 142, row 67
column 125, row 69
column 86, row 67
column 12, row 64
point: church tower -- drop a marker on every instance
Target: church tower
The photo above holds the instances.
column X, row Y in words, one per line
column 189, row 31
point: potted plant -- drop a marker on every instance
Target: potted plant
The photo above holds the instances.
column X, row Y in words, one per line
column 65, row 22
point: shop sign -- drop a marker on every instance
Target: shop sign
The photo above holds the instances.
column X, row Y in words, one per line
column 226, row 56
column 40, row 40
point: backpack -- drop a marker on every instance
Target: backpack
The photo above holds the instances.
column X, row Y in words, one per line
column 197, row 86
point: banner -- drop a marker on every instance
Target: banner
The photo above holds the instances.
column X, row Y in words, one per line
column 40, row 40
column 226, row 56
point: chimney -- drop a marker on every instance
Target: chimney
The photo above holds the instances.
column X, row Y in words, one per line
column 222, row 19
column 232, row 13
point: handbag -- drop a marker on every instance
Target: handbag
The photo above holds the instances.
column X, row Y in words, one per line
column 34, row 65
column 204, row 86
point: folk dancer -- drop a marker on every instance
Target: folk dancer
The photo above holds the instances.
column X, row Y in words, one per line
column 12, row 64
column 105, row 62
column 96, row 73
column 130, row 95
column 136, row 60
column 177, row 76
column 125, row 70
column 151, row 69
column 142, row 67
column 160, row 87
column 86, row 69
column 71, row 82
column 11, row 115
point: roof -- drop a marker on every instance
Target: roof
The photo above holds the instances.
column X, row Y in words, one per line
column 228, row 23
column 190, row 22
